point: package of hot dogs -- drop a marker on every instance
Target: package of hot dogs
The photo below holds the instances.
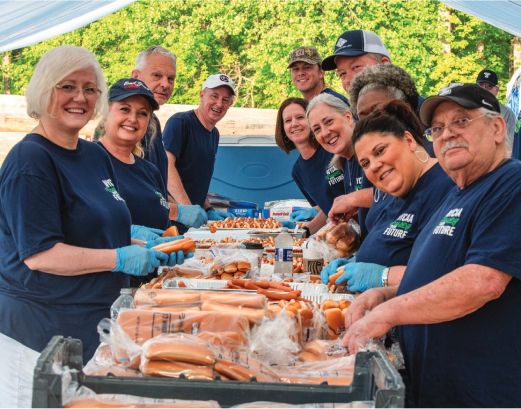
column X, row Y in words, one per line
column 86, row 398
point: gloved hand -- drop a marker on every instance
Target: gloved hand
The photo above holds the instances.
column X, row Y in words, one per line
column 289, row 225
column 362, row 276
column 174, row 258
column 145, row 233
column 138, row 261
column 215, row 215
column 331, row 268
column 301, row 215
column 191, row 215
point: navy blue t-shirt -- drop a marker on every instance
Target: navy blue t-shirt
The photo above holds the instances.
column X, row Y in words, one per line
column 353, row 174
column 471, row 361
column 335, row 94
column 395, row 222
column 142, row 187
column 195, row 149
column 50, row 195
column 318, row 182
column 155, row 151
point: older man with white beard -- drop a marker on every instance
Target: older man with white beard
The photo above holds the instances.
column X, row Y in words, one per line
column 457, row 305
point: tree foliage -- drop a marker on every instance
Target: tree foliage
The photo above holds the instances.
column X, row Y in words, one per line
column 251, row 41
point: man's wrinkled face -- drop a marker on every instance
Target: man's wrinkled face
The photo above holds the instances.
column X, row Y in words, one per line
column 159, row 76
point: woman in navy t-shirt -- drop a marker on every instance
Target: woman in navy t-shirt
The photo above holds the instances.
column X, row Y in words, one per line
column 408, row 186
column 65, row 231
column 318, row 181
column 140, row 184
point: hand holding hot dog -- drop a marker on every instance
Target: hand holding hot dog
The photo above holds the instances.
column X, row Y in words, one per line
column 174, row 258
column 145, row 233
column 138, row 261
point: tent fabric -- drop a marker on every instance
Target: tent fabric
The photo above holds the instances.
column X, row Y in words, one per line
column 24, row 23
column 504, row 14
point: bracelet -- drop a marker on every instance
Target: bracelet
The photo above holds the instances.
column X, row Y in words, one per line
column 209, row 209
column 307, row 232
column 385, row 276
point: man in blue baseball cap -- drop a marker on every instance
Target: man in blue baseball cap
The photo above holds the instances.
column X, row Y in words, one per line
column 355, row 50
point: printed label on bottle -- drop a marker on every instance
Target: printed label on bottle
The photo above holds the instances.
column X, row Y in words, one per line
column 283, row 254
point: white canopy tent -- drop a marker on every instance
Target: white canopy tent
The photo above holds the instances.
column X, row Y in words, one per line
column 27, row 22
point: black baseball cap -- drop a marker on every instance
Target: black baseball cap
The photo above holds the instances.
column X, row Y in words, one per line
column 128, row 87
column 487, row 76
column 354, row 43
column 470, row 96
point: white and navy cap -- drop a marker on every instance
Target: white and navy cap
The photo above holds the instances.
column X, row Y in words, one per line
column 354, row 43
column 217, row 80
column 470, row 96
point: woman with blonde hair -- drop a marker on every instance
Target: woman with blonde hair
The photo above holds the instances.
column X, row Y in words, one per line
column 65, row 231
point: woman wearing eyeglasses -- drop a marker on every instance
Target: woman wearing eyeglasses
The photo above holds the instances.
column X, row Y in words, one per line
column 65, row 231
column 408, row 187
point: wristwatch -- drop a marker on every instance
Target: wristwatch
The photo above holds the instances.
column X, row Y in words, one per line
column 307, row 233
column 385, row 276
column 209, row 209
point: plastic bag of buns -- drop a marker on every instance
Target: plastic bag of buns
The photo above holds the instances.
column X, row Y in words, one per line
column 337, row 241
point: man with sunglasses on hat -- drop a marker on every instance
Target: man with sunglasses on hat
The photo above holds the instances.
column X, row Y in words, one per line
column 457, row 306
column 487, row 79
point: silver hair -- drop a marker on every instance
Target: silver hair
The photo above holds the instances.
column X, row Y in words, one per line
column 336, row 103
column 489, row 113
column 141, row 60
column 393, row 92
column 509, row 140
column 53, row 67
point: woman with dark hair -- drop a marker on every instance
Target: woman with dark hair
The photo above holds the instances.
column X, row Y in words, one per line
column 319, row 182
column 408, row 186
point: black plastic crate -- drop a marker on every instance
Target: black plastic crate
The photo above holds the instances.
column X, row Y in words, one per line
column 375, row 379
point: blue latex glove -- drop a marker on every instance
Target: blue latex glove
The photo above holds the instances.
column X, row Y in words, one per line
column 191, row 215
column 331, row 268
column 301, row 215
column 145, row 233
column 289, row 225
column 174, row 258
column 215, row 215
column 138, row 261
column 362, row 276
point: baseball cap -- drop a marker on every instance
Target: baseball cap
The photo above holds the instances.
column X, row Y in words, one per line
column 128, row 87
column 216, row 80
column 354, row 43
column 487, row 76
column 305, row 54
column 469, row 96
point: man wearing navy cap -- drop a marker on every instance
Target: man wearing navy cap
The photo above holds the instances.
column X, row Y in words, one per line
column 307, row 74
column 191, row 141
column 355, row 50
column 457, row 306
column 487, row 79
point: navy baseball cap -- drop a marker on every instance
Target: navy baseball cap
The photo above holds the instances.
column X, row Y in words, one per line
column 128, row 87
column 470, row 96
column 354, row 43
column 487, row 76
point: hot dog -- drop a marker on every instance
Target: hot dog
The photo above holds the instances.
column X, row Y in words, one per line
column 237, row 299
column 187, row 348
column 185, row 245
column 253, row 315
column 171, row 232
column 175, row 369
column 165, row 297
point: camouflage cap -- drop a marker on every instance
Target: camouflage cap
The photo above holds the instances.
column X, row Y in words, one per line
column 306, row 54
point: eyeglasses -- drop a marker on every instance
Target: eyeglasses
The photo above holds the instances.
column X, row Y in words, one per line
column 487, row 86
column 453, row 127
column 88, row 92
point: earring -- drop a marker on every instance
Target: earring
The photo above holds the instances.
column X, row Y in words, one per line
column 375, row 197
column 426, row 158
column 285, row 139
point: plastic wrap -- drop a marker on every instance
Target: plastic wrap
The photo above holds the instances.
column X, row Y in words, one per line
column 102, row 364
column 354, row 404
column 336, row 241
column 86, row 398
column 335, row 371
column 229, row 261
column 275, row 341
column 323, row 350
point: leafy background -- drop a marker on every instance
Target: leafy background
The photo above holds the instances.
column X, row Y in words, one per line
column 251, row 41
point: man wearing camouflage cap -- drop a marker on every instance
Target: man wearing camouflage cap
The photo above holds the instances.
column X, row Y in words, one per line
column 305, row 65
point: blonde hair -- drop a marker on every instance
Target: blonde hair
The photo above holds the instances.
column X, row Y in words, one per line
column 54, row 66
